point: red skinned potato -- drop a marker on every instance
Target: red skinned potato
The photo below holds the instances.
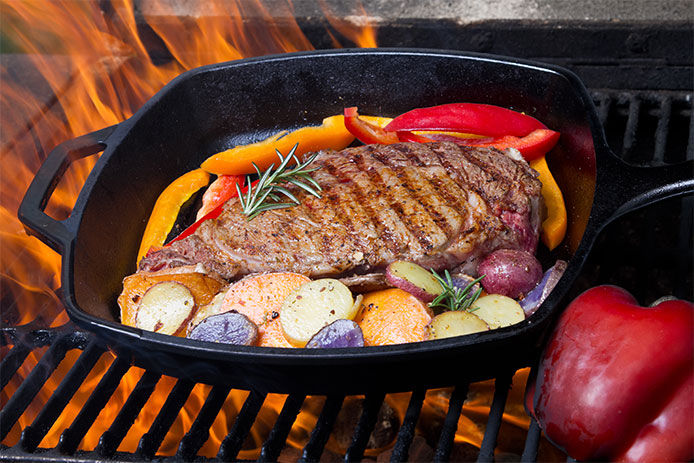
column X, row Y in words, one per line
column 228, row 327
column 340, row 333
column 510, row 272
column 414, row 279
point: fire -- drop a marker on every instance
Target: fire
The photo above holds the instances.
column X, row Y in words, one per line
column 99, row 68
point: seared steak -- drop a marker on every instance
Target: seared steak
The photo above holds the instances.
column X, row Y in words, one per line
column 437, row 204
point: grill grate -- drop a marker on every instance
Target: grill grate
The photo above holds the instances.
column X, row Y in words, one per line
column 66, row 338
column 642, row 127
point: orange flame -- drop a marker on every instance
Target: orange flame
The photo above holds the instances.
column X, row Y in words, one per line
column 98, row 67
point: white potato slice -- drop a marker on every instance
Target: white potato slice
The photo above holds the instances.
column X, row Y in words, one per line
column 414, row 279
column 165, row 308
column 314, row 305
column 455, row 323
column 498, row 311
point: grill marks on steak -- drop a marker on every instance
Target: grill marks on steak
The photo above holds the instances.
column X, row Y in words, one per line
column 437, row 204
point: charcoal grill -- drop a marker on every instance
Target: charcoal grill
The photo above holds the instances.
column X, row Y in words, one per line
column 648, row 124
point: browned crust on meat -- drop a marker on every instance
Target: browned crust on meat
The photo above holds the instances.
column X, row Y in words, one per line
column 436, row 204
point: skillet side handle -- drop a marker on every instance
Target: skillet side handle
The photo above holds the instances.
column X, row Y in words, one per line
column 31, row 213
column 626, row 188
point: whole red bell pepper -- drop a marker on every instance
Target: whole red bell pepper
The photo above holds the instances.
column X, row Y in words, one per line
column 480, row 119
column 615, row 381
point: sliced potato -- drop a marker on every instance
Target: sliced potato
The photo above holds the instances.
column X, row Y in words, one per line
column 455, row 323
column 314, row 305
column 207, row 310
column 414, row 279
column 203, row 286
column 228, row 328
column 498, row 311
column 165, row 308
column 340, row 333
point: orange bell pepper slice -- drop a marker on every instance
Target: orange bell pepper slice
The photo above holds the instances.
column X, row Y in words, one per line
column 165, row 211
column 239, row 160
column 553, row 227
column 365, row 131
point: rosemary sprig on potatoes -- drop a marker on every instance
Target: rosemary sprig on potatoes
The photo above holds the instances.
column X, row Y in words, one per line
column 272, row 185
column 454, row 297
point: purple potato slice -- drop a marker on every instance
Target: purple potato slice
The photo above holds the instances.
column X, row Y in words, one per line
column 228, row 327
column 340, row 333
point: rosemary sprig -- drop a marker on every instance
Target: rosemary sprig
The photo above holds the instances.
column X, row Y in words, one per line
column 453, row 297
column 271, row 186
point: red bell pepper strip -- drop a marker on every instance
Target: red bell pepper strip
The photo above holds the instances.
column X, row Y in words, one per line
column 615, row 381
column 219, row 192
column 213, row 214
column 365, row 132
column 532, row 146
column 481, row 119
column 230, row 192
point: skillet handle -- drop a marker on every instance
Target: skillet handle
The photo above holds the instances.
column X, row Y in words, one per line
column 625, row 188
column 55, row 233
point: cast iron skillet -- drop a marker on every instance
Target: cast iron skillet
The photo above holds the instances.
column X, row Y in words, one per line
column 213, row 107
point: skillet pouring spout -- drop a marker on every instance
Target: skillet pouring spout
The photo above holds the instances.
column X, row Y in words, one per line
column 209, row 109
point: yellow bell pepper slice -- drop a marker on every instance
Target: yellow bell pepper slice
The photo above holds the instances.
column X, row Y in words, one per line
column 554, row 226
column 331, row 134
column 376, row 120
column 166, row 209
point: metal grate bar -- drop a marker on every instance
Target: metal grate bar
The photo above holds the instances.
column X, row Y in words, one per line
column 278, row 436
column 111, row 439
column 450, row 424
column 532, row 442
column 72, row 436
column 152, row 439
column 603, row 103
column 406, row 433
column 502, row 384
column 632, row 126
column 11, row 363
column 662, row 130
column 232, row 443
column 321, row 433
column 367, row 421
column 34, row 433
column 690, row 141
column 200, row 430
column 31, row 385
